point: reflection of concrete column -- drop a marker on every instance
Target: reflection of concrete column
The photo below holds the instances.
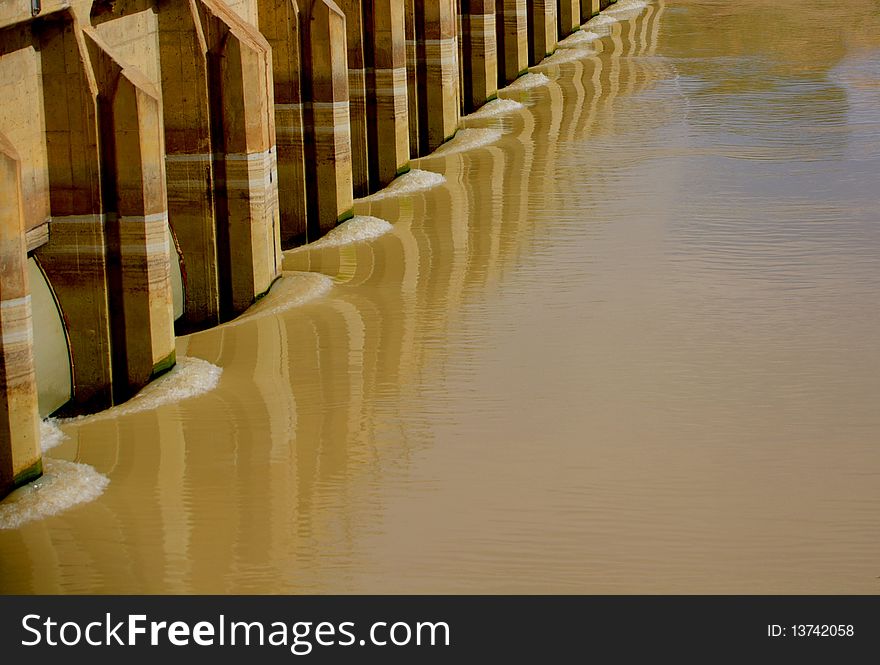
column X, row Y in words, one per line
column 20, row 460
column 355, row 36
column 130, row 125
column 438, row 69
column 569, row 17
column 325, row 95
column 512, row 29
column 480, row 64
column 75, row 259
column 542, row 29
column 388, row 130
column 188, row 157
column 279, row 24
column 243, row 130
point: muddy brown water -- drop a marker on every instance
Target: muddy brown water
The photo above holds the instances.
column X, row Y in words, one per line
column 632, row 345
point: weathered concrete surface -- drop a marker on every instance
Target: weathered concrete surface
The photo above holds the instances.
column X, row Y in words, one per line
column 357, row 93
column 20, row 459
column 387, row 107
column 437, row 62
column 22, row 119
column 136, row 220
column 189, row 169
column 512, row 30
column 589, row 8
column 412, row 77
column 542, row 29
column 279, row 23
column 75, row 258
column 568, row 16
column 246, row 178
column 325, row 95
column 17, row 11
column 480, row 59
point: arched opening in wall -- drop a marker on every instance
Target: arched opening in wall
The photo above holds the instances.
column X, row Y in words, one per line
column 52, row 360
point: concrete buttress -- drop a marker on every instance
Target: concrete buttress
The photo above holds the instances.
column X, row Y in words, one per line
column 20, row 460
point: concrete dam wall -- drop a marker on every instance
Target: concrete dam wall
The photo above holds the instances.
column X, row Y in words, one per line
column 156, row 157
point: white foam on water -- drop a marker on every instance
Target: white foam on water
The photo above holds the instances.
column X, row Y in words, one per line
column 468, row 139
column 626, row 9
column 63, row 485
column 292, row 290
column 357, row 229
column 579, row 39
column 529, row 81
column 411, row 182
column 495, row 108
column 601, row 24
column 188, row 378
column 563, row 55
column 50, row 434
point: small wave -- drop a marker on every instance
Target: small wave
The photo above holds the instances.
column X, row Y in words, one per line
column 563, row 55
column 626, row 9
column 63, row 485
column 413, row 181
column 467, row 139
column 600, row 25
column 292, row 290
column 188, row 378
column 50, row 434
column 356, row 229
column 528, row 81
column 494, row 108
column 579, row 39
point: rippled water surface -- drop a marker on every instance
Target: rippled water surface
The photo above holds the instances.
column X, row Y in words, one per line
column 629, row 343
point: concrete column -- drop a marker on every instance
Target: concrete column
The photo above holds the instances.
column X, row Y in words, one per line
column 542, row 29
column 20, row 460
column 480, row 64
column 75, row 258
column 326, row 118
column 412, row 77
column 568, row 17
column 512, row 31
column 437, row 47
column 354, row 11
column 188, row 157
column 135, row 206
column 246, row 175
column 388, row 130
column 589, row 8
column 279, row 23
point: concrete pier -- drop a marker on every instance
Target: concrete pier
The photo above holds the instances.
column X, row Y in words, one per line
column 136, row 221
column 158, row 154
column 280, row 25
column 387, row 106
column 512, row 31
column 479, row 47
column 542, row 29
column 589, row 8
column 20, row 460
column 568, row 17
column 437, row 70
column 326, row 116
column 355, row 36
